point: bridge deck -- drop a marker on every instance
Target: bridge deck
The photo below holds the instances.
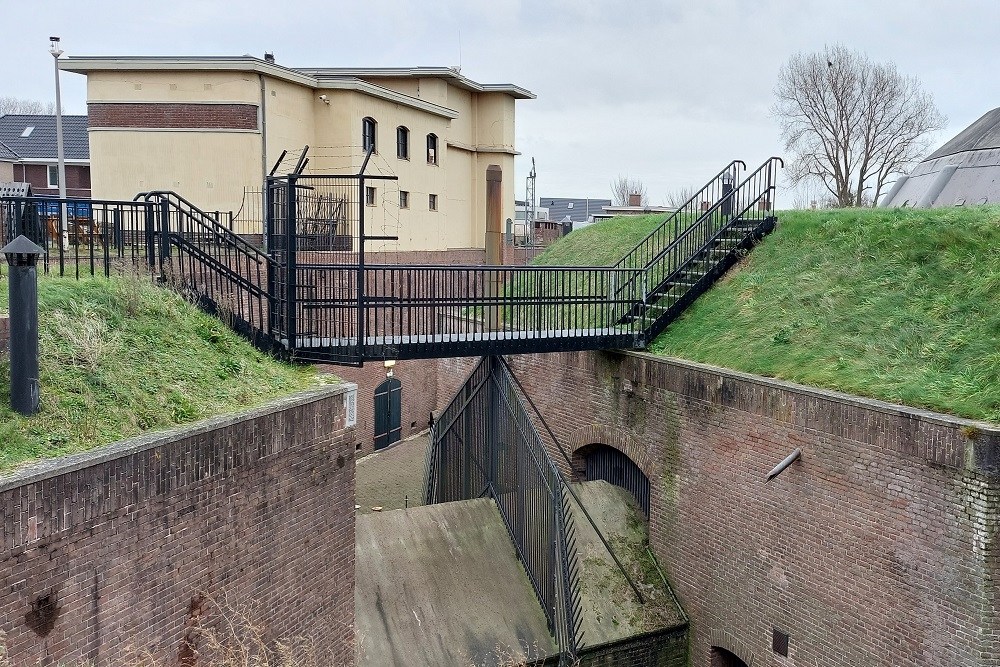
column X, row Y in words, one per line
column 472, row 343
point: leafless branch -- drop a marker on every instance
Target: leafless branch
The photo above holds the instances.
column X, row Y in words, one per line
column 851, row 123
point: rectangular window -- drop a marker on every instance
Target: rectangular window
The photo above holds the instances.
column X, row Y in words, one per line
column 404, row 199
column 369, row 195
column 402, row 143
column 53, row 176
column 432, row 202
column 432, row 149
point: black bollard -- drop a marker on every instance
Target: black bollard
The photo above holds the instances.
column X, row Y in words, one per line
column 22, row 257
column 727, row 190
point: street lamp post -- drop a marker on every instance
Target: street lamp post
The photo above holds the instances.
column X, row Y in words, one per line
column 63, row 227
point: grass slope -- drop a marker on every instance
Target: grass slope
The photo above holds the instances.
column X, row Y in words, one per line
column 900, row 305
column 600, row 244
column 123, row 356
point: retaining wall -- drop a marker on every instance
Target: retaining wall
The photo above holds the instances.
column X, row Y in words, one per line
column 133, row 545
column 877, row 547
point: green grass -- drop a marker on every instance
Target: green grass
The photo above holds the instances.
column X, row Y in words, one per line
column 900, row 305
column 600, row 244
column 120, row 357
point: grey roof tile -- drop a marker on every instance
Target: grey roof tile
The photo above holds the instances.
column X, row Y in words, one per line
column 41, row 143
column 576, row 209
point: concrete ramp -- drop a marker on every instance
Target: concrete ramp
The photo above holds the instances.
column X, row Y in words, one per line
column 611, row 611
column 441, row 585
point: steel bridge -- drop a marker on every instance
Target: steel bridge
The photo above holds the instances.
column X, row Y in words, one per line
column 323, row 289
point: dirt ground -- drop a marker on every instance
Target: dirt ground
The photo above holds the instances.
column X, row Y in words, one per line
column 392, row 478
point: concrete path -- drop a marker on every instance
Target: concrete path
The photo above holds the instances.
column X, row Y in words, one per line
column 393, row 477
column 439, row 586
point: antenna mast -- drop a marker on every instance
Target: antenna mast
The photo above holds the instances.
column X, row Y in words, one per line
column 529, row 206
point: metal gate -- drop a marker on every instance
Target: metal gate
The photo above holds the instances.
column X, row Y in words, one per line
column 388, row 410
column 613, row 466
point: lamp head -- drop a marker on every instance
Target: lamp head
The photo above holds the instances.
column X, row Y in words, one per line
column 54, row 47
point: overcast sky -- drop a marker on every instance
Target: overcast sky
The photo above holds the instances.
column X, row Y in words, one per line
column 666, row 92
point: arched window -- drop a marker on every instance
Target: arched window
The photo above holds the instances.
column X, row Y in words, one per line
column 368, row 134
column 432, row 149
column 402, row 143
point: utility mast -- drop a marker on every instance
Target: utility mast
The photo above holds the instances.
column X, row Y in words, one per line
column 529, row 206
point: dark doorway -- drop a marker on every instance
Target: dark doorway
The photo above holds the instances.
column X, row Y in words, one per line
column 388, row 409
column 723, row 658
column 611, row 465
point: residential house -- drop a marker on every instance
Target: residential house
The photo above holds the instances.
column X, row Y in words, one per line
column 211, row 128
column 29, row 153
column 574, row 210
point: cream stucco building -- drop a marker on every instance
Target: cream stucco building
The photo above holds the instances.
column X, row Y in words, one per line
column 211, row 128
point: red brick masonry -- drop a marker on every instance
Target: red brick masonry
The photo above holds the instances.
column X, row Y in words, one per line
column 172, row 115
column 878, row 547
column 4, row 333
column 131, row 543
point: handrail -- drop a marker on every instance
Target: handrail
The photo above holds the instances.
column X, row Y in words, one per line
column 697, row 197
column 204, row 220
column 707, row 217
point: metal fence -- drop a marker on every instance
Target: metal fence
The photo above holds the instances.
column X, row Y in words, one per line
column 79, row 236
column 484, row 444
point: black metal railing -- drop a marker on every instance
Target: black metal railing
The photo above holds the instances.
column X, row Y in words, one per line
column 325, row 289
column 485, row 445
column 202, row 258
column 678, row 271
column 79, row 236
column 686, row 214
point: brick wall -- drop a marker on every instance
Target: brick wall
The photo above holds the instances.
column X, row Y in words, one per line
column 878, row 547
column 4, row 333
column 131, row 543
column 77, row 179
column 220, row 116
column 418, row 399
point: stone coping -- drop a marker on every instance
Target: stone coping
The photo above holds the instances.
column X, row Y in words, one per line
column 60, row 465
column 826, row 394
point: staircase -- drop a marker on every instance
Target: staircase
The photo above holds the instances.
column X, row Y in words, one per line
column 709, row 236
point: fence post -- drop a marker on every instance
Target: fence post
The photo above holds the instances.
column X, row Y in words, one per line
column 269, row 249
column 164, row 232
column 150, row 235
column 361, row 264
column 290, row 264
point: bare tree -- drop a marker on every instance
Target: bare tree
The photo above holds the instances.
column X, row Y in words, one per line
column 851, row 123
column 16, row 105
column 624, row 186
column 679, row 197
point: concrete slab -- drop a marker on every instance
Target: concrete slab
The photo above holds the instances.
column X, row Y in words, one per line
column 441, row 585
column 611, row 610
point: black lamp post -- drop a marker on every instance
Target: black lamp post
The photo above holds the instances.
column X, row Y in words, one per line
column 22, row 257
column 726, row 207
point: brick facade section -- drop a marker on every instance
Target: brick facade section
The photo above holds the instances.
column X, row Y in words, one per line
column 419, row 396
column 4, row 334
column 77, row 179
column 171, row 115
column 125, row 540
column 877, row 547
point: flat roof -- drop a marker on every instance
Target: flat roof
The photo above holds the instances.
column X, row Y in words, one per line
column 307, row 76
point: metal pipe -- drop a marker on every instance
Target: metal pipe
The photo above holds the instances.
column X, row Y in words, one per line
column 63, row 229
column 22, row 256
column 780, row 468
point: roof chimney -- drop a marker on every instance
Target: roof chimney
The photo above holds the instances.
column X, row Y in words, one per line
column 269, row 58
column 634, row 199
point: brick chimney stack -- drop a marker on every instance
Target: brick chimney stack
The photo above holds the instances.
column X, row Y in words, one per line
column 635, row 199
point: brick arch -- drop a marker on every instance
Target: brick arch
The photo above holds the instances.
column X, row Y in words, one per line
column 617, row 438
column 726, row 640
